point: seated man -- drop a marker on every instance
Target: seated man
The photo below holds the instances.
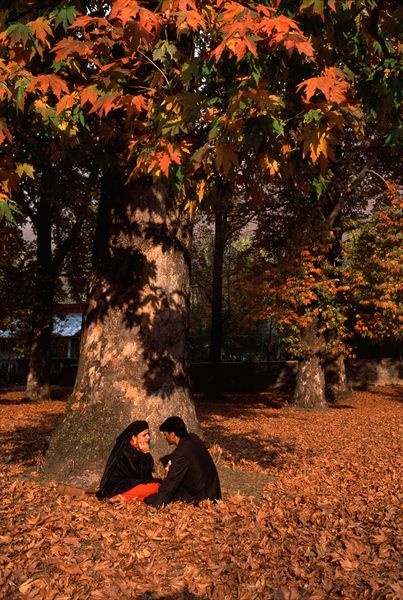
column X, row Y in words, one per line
column 192, row 475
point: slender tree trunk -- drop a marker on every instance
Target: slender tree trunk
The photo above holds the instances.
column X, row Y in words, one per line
column 217, row 296
column 133, row 360
column 336, row 386
column 310, row 385
column 38, row 381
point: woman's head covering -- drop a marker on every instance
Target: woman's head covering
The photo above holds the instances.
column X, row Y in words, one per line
column 133, row 429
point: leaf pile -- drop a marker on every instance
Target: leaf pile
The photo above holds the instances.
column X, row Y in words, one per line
column 327, row 525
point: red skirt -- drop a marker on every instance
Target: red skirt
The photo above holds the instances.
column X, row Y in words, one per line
column 139, row 492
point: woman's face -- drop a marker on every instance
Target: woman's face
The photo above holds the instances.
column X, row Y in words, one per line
column 142, row 437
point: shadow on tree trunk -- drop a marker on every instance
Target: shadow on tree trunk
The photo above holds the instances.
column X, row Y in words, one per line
column 133, row 361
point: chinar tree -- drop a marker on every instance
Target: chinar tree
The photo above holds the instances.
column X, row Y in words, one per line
column 363, row 36
column 167, row 132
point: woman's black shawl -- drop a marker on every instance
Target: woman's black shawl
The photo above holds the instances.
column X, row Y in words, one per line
column 126, row 466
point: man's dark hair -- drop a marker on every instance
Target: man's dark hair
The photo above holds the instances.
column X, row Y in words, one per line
column 174, row 425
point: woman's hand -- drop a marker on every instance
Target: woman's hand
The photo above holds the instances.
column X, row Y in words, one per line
column 144, row 447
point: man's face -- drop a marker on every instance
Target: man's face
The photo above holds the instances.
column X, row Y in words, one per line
column 170, row 437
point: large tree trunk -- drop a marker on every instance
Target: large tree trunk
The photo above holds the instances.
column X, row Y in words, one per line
column 216, row 303
column 133, row 361
column 336, row 386
column 310, row 385
column 38, row 381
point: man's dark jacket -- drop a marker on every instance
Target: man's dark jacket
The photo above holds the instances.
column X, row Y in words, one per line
column 192, row 477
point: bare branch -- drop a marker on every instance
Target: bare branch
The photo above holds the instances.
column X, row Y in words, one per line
column 355, row 180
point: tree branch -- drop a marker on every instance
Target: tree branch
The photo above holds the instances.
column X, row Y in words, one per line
column 154, row 65
column 64, row 248
column 355, row 180
column 29, row 212
column 378, row 175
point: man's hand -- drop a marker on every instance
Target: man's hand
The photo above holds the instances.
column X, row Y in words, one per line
column 167, row 467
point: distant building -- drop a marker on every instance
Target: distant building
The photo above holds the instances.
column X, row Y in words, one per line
column 67, row 331
column 67, row 326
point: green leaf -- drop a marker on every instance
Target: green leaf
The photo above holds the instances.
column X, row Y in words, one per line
column 189, row 72
column 179, row 175
column 256, row 75
column 64, row 16
column 164, row 49
column 213, row 132
column 59, row 66
column 313, row 115
column 19, row 33
column 20, row 86
column 5, row 210
column 278, row 127
column 349, row 73
column 320, row 184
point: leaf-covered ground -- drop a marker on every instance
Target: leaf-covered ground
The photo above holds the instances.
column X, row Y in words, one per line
column 324, row 522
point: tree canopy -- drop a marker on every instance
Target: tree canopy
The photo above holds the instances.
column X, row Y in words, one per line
column 189, row 89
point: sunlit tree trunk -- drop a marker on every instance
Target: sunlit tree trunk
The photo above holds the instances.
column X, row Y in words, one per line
column 133, row 361
column 310, row 384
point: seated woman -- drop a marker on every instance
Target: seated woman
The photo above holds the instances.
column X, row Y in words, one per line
column 128, row 471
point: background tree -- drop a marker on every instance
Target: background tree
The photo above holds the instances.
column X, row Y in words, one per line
column 372, row 270
column 57, row 205
column 364, row 39
column 239, row 339
column 58, row 200
column 16, row 290
column 231, row 214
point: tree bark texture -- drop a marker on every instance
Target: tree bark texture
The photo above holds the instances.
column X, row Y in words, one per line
column 336, row 386
column 38, row 380
column 310, row 384
column 133, row 360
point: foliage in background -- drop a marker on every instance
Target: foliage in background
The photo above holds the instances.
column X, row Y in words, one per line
column 359, row 291
column 197, row 91
column 16, row 286
column 299, row 292
column 373, row 270
column 241, row 340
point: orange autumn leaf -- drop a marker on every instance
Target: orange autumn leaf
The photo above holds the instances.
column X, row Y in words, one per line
column 89, row 94
column 40, row 29
column 52, row 83
column 332, row 84
column 104, row 104
column 64, row 103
